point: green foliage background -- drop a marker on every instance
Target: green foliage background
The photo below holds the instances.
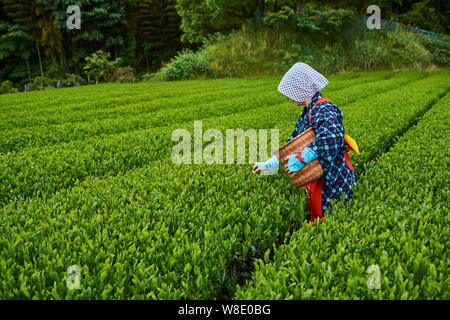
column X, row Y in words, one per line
column 148, row 34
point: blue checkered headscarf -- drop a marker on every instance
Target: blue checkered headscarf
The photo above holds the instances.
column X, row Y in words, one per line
column 301, row 82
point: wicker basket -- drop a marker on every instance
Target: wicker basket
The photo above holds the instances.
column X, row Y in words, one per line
column 312, row 170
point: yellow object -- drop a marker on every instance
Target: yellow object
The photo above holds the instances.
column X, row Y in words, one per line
column 351, row 143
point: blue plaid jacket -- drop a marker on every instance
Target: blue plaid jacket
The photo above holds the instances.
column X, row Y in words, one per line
column 326, row 121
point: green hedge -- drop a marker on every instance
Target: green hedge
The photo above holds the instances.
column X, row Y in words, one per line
column 139, row 226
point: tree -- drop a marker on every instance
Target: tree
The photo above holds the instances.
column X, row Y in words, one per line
column 15, row 42
column 313, row 18
column 158, row 30
column 28, row 14
column 427, row 14
column 102, row 21
column 99, row 66
column 201, row 18
column 51, row 37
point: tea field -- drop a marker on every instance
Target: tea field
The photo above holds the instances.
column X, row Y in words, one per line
column 87, row 180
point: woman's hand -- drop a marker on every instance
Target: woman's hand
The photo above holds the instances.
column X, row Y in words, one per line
column 293, row 163
column 270, row 165
column 259, row 166
column 296, row 161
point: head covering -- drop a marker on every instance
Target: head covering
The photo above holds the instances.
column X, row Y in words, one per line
column 301, row 82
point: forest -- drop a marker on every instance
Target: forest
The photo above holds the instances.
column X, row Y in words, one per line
column 129, row 40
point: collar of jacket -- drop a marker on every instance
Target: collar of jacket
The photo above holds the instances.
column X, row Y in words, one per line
column 314, row 99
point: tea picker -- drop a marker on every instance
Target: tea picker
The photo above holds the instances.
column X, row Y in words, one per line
column 315, row 155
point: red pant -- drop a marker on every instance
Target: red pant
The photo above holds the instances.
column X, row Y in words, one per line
column 315, row 198
column 315, row 192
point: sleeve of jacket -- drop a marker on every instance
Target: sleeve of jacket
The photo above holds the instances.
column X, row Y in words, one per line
column 327, row 124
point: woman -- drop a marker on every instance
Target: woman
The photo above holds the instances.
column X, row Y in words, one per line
column 302, row 84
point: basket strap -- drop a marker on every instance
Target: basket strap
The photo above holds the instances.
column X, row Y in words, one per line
column 299, row 157
column 347, row 157
column 317, row 102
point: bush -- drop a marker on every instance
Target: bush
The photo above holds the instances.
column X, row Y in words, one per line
column 68, row 80
column 149, row 76
column 313, row 18
column 272, row 50
column 55, row 72
column 99, row 67
column 407, row 51
column 439, row 49
column 44, row 81
column 122, row 74
column 188, row 65
column 7, row 87
column 146, row 76
column 368, row 55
